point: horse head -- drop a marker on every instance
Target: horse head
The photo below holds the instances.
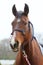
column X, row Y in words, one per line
column 21, row 31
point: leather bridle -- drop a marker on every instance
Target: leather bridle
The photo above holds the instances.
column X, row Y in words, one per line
column 23, row 33
column 25, row 41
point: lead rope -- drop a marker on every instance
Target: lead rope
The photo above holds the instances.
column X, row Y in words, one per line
column 25, row 56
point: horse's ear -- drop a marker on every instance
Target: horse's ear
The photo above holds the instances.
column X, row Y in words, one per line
column 14, row 11
column 26, row 9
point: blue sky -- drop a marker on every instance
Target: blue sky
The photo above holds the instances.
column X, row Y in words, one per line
column 6, row 16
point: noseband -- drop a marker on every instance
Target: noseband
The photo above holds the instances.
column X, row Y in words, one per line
column 22, row 31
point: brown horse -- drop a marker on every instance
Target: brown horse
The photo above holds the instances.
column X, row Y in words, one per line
column 23, row 40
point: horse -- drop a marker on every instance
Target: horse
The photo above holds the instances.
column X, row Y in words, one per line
column 23, row 40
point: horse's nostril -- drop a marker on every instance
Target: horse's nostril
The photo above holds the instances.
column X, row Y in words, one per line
column 16, row 44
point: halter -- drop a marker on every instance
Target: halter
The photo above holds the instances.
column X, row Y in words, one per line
column 23, row 33
column 25, row 41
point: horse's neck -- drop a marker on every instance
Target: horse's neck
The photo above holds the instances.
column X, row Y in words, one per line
column 33, row 51
column 20, row 59
column 35, row 47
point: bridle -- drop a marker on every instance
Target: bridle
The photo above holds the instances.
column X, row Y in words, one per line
column 25, row 41
column 23, row 32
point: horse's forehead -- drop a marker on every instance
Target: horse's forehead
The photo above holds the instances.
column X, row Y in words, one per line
column 20, row 18
column 15, row 21
column 19, row 14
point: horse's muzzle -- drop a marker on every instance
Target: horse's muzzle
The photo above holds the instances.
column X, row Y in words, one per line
column 15, row 46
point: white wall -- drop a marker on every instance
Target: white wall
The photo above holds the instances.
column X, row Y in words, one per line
column 6, row 16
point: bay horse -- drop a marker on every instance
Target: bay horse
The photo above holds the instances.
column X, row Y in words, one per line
column 23, row 39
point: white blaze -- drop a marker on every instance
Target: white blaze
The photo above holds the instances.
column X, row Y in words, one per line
column 18, row 20
column 12, row 40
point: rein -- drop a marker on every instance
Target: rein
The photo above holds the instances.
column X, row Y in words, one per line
column 24, row 53
column 25, row 56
